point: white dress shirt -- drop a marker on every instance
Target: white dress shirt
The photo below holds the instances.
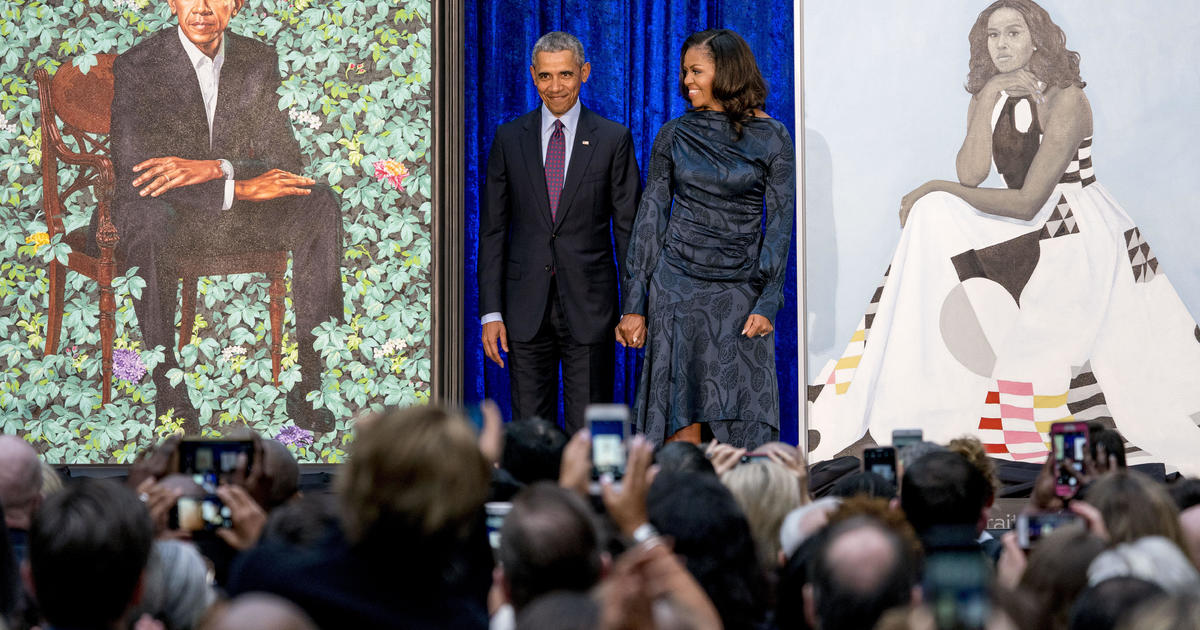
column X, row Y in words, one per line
column 208, row 74
column 570, row 122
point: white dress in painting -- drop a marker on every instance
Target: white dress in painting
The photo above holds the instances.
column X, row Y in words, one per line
column 999, row 327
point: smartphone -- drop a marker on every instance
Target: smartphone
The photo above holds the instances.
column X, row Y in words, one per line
column 1069, row 440
column 192, row 514
column 496, row 511
column 957, row 586
column 881, row 461
column 1032, row 527
column 213, row 462
column 904, row 437
column 609, row 426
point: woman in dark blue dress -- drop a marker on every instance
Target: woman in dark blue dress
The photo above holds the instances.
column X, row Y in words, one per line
column 706, row 264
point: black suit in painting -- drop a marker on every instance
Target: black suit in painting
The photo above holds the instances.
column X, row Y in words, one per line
column 158, row 111
column 555, row 280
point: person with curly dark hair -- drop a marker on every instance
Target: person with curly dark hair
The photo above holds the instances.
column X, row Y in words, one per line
column 706, row 262
column 1009, row 307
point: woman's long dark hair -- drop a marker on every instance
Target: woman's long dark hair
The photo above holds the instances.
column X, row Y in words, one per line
column 738, row 84
column 1051, row 61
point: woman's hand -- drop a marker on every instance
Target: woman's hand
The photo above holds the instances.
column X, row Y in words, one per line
column 631, row 331
column 907, row 201
column 723, row 456
column 1017, row 83
column 757, row 326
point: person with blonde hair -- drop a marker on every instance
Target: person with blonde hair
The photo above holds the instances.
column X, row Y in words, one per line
column 766, row 491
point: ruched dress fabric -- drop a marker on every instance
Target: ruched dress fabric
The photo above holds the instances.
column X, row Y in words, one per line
column 709, row 248
column 998, row 327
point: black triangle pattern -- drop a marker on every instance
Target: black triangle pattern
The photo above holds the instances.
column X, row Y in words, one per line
column 1061, row 222
column 1141, row 259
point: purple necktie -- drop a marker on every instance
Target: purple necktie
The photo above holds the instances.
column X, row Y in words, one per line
column 556, row 158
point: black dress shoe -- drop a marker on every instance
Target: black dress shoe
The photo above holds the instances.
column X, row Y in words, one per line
column 302, row 414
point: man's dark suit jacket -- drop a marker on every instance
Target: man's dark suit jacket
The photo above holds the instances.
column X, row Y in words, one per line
column 519, row 245
column 158, row 111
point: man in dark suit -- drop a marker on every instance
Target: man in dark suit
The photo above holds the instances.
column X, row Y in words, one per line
column 206, row 163
column 562, row 184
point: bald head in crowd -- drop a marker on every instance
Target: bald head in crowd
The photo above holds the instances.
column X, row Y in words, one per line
column 20, row 481
column 258, row 611
column 861, row 570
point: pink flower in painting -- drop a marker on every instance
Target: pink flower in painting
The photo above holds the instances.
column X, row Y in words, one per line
column 391, row 170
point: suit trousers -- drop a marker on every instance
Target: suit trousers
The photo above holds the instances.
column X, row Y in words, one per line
column 533, row 366
column 309, row 226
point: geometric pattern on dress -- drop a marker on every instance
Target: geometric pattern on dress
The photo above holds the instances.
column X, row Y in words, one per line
column 1144, row 264
column 1015, row 420
column 1061, row 221
column 1080, row 169
column 1086, row 401
column 847, row 365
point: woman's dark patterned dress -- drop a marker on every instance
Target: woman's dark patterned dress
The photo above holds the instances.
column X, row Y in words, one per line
column 709, row 249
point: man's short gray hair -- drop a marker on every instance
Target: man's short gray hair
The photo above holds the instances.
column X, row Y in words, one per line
column 557, row 41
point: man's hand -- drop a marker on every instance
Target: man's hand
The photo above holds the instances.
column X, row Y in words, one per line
column 159, row 501
column 495, row 337
column 631, row 331
column 165, row 173
column 576, row 468
column 627, row 507
column 155, row 463
column 247, row 515
column 273, row 184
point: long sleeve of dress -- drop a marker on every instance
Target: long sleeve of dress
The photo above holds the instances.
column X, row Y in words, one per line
column 780, row 207
column 650, row 226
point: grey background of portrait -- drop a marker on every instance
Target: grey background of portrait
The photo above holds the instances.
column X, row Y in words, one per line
column 885, row 111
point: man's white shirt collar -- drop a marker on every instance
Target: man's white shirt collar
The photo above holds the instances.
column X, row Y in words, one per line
column 196, row 56
column 570, row 119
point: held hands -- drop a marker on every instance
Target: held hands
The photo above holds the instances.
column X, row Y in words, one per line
column 631, row 331
column 757, row 326
column 273, row 184
column 495, row 338
column 166, row 173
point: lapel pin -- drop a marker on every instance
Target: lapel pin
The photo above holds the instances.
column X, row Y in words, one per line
column 585, row 143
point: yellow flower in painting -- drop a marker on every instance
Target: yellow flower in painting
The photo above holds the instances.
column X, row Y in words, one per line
column 38, row 239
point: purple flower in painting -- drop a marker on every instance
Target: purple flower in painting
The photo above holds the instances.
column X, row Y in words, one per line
column 295, row 436
column 127, row 365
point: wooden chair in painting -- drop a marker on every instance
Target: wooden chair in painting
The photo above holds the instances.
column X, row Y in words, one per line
column 77, row 105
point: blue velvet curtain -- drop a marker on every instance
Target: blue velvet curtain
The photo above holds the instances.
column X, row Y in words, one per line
column 633, row 46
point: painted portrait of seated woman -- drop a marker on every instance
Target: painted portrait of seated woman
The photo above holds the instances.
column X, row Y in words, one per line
column 1006, row 309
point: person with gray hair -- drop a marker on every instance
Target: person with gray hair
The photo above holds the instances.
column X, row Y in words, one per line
column 561, row 192
column 1152, row 558
column 175, row 588
column 20, row 489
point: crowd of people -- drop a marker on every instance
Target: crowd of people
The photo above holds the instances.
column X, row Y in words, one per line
column 409, row 536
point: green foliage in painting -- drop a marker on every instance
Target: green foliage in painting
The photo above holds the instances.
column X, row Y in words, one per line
column 356, row 86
